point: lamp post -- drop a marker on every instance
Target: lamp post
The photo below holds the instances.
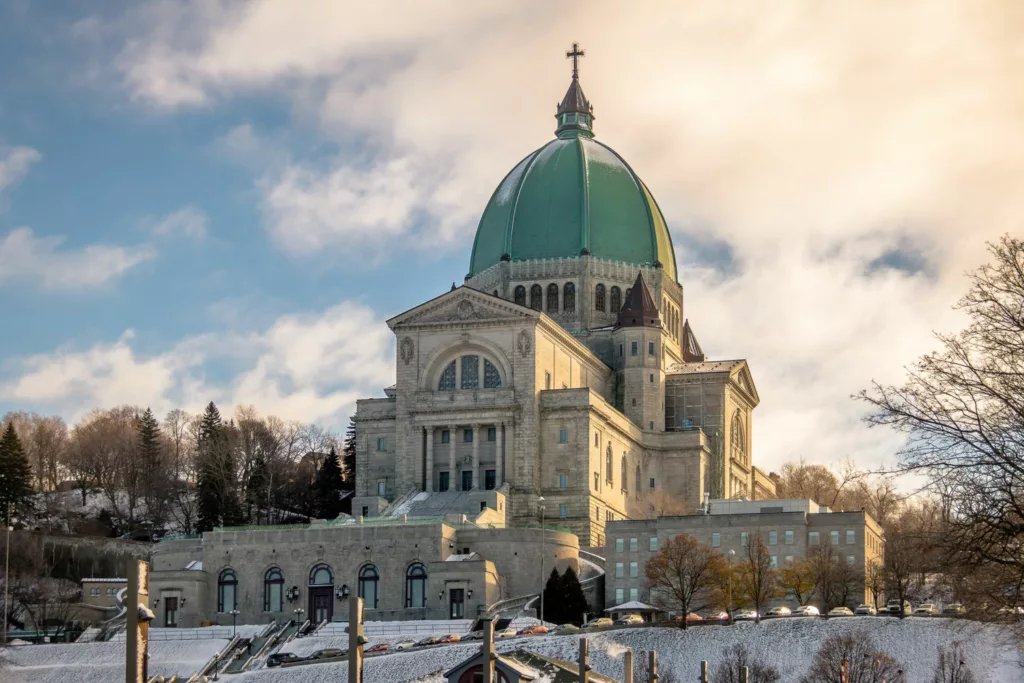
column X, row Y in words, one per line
column 298, row 615
column 541, row 613
column 234, row 617
column 732, row 554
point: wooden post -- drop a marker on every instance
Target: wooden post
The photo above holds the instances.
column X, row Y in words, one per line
column 704, row 671
column 627, row 666
column 652, row 677
column 584, row 661
column 744, row 675
column 356, row 640
column 136, row 650
column 487, row 649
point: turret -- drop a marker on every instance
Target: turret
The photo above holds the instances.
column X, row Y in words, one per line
column 639, row 338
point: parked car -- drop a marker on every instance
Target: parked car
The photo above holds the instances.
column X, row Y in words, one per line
column 868, row 610
column 603, row 622
column 629, row 620
column 450, row 638
column 745, row 615
column 473, row 635
column 328, row 653
column 893, row 607
column 781, row 611
column 567, row 630
column 806, row 611
column 954, row 609
column 506, row 633
column 378, row 648
column 840, row 612
column 720, row 615
column 429, row 640
column 926, row 609
column 279, row 658
column 691, row 617
column 535, row 630
column 405, row 645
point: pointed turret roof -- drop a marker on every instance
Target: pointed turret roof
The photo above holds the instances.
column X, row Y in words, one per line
column 639, row 310
column 575, row 100
column 692, row 353
column 575, row 115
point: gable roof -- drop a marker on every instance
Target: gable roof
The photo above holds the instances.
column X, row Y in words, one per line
column 522, row 671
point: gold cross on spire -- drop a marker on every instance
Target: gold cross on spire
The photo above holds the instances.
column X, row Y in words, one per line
column 575, row 55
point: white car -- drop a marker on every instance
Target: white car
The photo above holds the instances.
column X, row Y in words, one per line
column 840, row 612
column 893, row 607
column 745, row 615
column 866, row 610
column 629, row 620
column 405, row 645
column 781, row 611
column 926, row 609
column 806, row 611
column 506, row 633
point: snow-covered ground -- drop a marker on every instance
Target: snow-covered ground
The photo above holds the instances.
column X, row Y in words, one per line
column 96, row 662
column 787, row 644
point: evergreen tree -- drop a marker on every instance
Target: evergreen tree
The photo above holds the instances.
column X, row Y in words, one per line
column 348, row 461
column 554, row 599
column 150, row 452
column 210, row 489
column 15, row 473
column 256, row 489
column 328, row 486
column 576, row 604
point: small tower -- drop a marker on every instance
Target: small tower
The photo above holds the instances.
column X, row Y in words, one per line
column 638, row 338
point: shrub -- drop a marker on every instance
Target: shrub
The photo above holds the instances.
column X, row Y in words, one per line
column 737, row 657
column 952, row 665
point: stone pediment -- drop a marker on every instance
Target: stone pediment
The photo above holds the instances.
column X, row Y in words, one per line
column 462, row 305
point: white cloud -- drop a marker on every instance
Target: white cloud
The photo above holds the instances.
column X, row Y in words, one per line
column 41, row 261
column 308, row 366
column 808, row 144
column 188, row 222
column 15, row 162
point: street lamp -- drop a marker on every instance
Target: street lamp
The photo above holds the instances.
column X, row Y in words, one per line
column 541, row 613
column 234, row 616
column 298, row 615
column 732, row 554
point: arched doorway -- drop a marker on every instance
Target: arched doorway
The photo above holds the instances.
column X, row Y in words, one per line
column 321, row 594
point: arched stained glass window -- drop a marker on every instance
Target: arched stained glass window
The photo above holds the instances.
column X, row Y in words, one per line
column 447, row 382
column 520, row 295
column 624, row 474
column 608, row 465
column 738, row 439
column 227, row 590
column 599, row 298
column 416, row 585
column 273, row 590
column 470, row 372
column 615, row 300
column 369, row 584
column 321, row 575
column 536, row 296
column 492, row 378
column 552, row 298
column 569, row 298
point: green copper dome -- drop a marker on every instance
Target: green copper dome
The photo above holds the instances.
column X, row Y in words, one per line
column 573, row 196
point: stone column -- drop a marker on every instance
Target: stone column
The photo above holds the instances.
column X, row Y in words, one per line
column 510, row 452
column 429, row 469
column 499, row 467
column 475, row 484
column 452, row 479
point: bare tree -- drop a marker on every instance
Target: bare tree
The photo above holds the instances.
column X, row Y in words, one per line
column 798, row 579
column 962, row 409
column 857, row 652
column 738, row 657
column 684, row 573
column 874, row 581
column 756, row 580
column 952, row 665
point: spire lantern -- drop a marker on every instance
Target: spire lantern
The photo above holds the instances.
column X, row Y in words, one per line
column 575, row 114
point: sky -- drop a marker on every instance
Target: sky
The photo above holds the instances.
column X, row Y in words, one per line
column 216, row 200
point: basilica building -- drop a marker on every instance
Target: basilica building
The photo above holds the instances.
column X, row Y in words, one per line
column 562, row 379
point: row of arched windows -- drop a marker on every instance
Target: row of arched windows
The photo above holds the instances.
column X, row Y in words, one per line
column 670, row 318
column 322, row 575
column 568, row 292
column 624, row 472
column 615, row 299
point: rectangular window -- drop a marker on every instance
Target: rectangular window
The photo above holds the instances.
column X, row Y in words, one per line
column 654, row 544
column 633, row 348
column 446, row 436
column 634, row 594
column 170, row 612
column 563, row 481
column 619, row 596
column 789, row 559
column 834, row 537
column 547, row 380
column 490, row 478
column 467, row 436
column 851, row 560
column 773, row 538
column 382, row 444
column 789, row 537
column 609, row 515
column 597, row 439
column 492, row 434
column 563, row 435
column 620, row 350
column 633, row 545
column 381, row 488
column 620, row 545
column 851, row 537
column 812, row 538
column 652, row 379
column 775, row 561
column 652, row 482
column 744, row 539
column 443, row 481
column 634, row 570
column 366, row 511
column 650, row 348
column 716, row 540
column 619, row 568
column 563, row 510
